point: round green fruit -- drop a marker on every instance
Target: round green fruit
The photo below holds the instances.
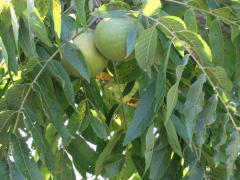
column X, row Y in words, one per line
column 94, row 60
column 111, row 36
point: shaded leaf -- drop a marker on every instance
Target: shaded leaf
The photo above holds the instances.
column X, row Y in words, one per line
column 31, row 122
column 8, row 171
column 216, row 42
column 144, row 113
column 61, row 75
column 206, row 117
column 172, row 95
column 106, row 152
column 64, row 167
column 193, row 105
column 8, row 44
column 81, row 14
column 232, row 152
column 149, row 146
column 131, row 40
column 21, row 158
column 5, row 118
column 161, row 161
column 190, row 20
column 78, row 149
column 75, row 59
column 51, row 107
column 15, row 25
column 99, row 128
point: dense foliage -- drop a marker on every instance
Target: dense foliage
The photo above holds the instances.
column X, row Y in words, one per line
column 171, row 113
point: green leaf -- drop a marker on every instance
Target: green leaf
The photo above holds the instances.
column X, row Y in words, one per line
column 99, row 128
column 149, row 138
column 8, row 171
column 160, row 161
column 51, row 107
column 21, row 158
column 4, row 53
column 15, row 25
column 43, row 7
column 190, row 20
column 216, row 42
column 172, row 95
column 161, row 77
column 206, row 117
column 6, row 117
column 31, row 122
column 68, row 27
column 37, row 25
column 232, row 152
column 172, row 137
column 81, row 14
column 61, row 75
column 193, row 105
column 77, row 119
column 198, row 45
column 26, row 41
column 219, row 76
column 75, row 59
column 106, row 152
column 64, row 167
column 56, row 15
column 10, row 49
column 131, row 40
column 151, row 7
column 173, row 23
column 144, row 113
column 146, row 47
column 84, row 157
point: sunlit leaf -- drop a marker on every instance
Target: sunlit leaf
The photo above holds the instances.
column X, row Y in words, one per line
column 198, row 45
column 56, row 15
column 151, row 7
column 146, row 47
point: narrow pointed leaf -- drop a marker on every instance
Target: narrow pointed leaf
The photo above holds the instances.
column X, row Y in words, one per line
column 24, row 164
column 31, row 122
column 56, row 15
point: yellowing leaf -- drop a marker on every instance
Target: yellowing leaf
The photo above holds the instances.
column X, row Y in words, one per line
column 151, row 7
column 56, row 15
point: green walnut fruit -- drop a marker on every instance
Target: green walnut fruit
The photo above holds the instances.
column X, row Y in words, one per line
column 94, row 60
column 111, row 36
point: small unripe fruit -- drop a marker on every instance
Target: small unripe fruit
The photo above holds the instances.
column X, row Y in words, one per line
column 94, row 60
column 111, row 36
